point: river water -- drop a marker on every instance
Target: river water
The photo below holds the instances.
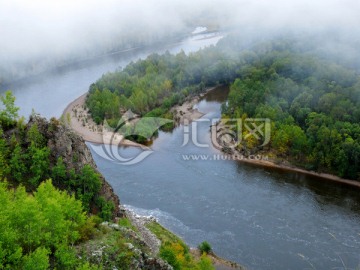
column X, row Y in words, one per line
column 261, row 218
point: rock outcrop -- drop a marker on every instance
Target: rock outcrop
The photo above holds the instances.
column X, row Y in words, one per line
column 63, row 142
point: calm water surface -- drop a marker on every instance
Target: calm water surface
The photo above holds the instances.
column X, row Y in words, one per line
column 262, row 218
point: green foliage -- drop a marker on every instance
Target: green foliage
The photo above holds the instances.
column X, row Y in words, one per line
column 38, row 160
column 59, row 172
column 107, row 208
column 176, row 252
column 168, row 254
column 37, row 260
column 88, row 230
column 8, row 110
column 88, row 266
column 205, row 247
column 66, row 257
column 115, row 251
column 205, row 263
column 163, row 234
column 156, row 84
column 4, row 156
column 35, row 227
column 35, row 137
column 314, row 105
column 40, row 229
column 89, row 185
column 26, row 159
column 125, row 222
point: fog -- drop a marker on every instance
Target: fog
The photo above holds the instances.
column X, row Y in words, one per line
column 39, row 34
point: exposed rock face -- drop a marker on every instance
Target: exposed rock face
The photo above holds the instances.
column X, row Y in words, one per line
column 140, row 223
column 64, row 143
column 142, row 260
column 155, row 264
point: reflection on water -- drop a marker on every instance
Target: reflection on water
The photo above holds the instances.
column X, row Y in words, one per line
column 261, row 217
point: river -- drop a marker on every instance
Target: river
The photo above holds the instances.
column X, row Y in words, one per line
column 261, row 218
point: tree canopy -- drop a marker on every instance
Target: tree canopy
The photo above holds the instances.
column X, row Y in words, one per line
column 8, row 110
column 313, row 102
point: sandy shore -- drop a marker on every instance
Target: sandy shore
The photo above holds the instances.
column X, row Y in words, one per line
column 184, row 114
column 76, row 117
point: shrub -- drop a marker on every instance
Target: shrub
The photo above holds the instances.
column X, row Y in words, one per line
column 169, row 255
column 205, row 247
column 205, row 263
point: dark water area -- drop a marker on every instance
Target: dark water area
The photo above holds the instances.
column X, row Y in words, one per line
column 261, row 217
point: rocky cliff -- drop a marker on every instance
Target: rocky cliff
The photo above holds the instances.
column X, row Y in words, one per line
column 64, row 143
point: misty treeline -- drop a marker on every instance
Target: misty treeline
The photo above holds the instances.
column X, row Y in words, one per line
column 151, row 87
column 314, row 106
column 43, row 219
column 313, row 101
column 43, row 65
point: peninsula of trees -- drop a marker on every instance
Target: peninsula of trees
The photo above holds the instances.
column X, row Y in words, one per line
column 312, row 101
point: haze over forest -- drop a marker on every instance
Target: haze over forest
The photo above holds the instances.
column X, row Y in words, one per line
column 280, row 78
column 40, row 34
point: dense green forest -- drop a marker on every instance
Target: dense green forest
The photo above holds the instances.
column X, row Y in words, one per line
column 40, row 223
column 151, row 87
column 52, row 213
column 314, row 105
column 25, row 159
column 313, row 102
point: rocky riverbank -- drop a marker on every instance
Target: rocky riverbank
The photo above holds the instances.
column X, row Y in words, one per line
column 77, row 118
column 154, row 243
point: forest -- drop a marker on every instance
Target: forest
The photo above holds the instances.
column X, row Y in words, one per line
column 313, row 101
column 151, row 87
column 42, row 219
column 54, row 214
column 314, row 106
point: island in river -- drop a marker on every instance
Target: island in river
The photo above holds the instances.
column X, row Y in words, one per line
column 308, row 129
column 311, row 102
column 83, row 125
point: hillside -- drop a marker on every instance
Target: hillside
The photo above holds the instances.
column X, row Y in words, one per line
column 60, row 213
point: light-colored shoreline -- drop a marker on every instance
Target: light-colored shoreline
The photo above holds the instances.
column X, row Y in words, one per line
column 90, row 132
column 185, row 114
column 74, row 117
